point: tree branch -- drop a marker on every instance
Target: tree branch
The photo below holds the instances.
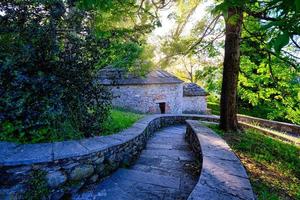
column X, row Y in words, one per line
column 211, row 25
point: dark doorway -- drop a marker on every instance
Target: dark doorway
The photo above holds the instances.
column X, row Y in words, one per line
column 162, row 107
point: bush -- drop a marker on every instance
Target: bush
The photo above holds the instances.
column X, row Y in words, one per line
column 48, row 59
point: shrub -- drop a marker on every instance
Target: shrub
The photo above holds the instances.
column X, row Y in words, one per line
column 48, row 59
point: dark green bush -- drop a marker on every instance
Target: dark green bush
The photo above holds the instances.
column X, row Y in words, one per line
column 48, row 59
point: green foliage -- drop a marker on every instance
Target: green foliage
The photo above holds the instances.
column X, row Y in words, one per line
column 119, row 120
column 260, row 111
column 125, row 25
column 211, row 78
column 268, row 84
column 267, row 80
column 268, row 154
column 37, row 186
column 48, row 58
column 269, row 58
column 215, row 108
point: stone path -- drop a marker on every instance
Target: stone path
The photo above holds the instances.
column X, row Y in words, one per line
column 163, row 171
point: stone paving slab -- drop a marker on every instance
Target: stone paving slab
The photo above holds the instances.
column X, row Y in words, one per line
column 159, row 146
column 177, row 154
column 159, row 170
column 149, row 178
column 132, row 190
column 148, row 161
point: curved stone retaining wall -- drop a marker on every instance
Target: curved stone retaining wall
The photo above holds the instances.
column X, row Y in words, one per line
column 69, row 165
column 222, row 174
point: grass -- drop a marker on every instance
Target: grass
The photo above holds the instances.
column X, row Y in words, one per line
column 119, row 120
column 272, row 165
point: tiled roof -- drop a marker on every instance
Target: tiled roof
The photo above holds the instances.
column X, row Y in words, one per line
column 113, row 76
column 192, row 89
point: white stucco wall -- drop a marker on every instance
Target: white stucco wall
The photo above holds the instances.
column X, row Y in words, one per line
column 194, row 104
column 145, row 98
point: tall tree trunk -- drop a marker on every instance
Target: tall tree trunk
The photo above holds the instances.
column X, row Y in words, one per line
column 231, row 66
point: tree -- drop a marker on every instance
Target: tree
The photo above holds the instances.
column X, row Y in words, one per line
column 231, row 65
column 279, row 16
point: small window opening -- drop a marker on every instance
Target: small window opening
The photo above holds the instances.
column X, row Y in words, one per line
column 162, row 107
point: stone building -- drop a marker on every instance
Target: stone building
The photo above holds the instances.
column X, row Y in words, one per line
column 157, row 92
column 194, row 99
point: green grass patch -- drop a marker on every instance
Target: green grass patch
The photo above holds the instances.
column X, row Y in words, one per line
column 119, row 120
column 273, row 166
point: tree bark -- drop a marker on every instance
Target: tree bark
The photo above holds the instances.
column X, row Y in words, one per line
column 231, row 65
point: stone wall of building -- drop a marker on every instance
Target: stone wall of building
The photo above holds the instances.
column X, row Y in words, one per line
column 146, row 98
column 194, row 104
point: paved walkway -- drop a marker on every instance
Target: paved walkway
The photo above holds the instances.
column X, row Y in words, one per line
column 163, row 172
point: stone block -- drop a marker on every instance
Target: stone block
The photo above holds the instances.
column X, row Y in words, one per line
column 94, row 144
column 148, row 178
column 81, row 172
column 55, row 179
column 6, row 149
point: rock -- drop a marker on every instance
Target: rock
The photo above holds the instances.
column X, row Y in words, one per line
column 20, row 170
column 112, row 158
column 15, row 192
column 94, row 178
column 55, row 179
column 75, row 188
column 126, row 160
column 81, row 172
column 100, row 168
column 57, row 195
column 70, row 165
column 99, row 160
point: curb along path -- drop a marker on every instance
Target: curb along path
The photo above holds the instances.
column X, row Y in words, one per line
column 163, row 171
